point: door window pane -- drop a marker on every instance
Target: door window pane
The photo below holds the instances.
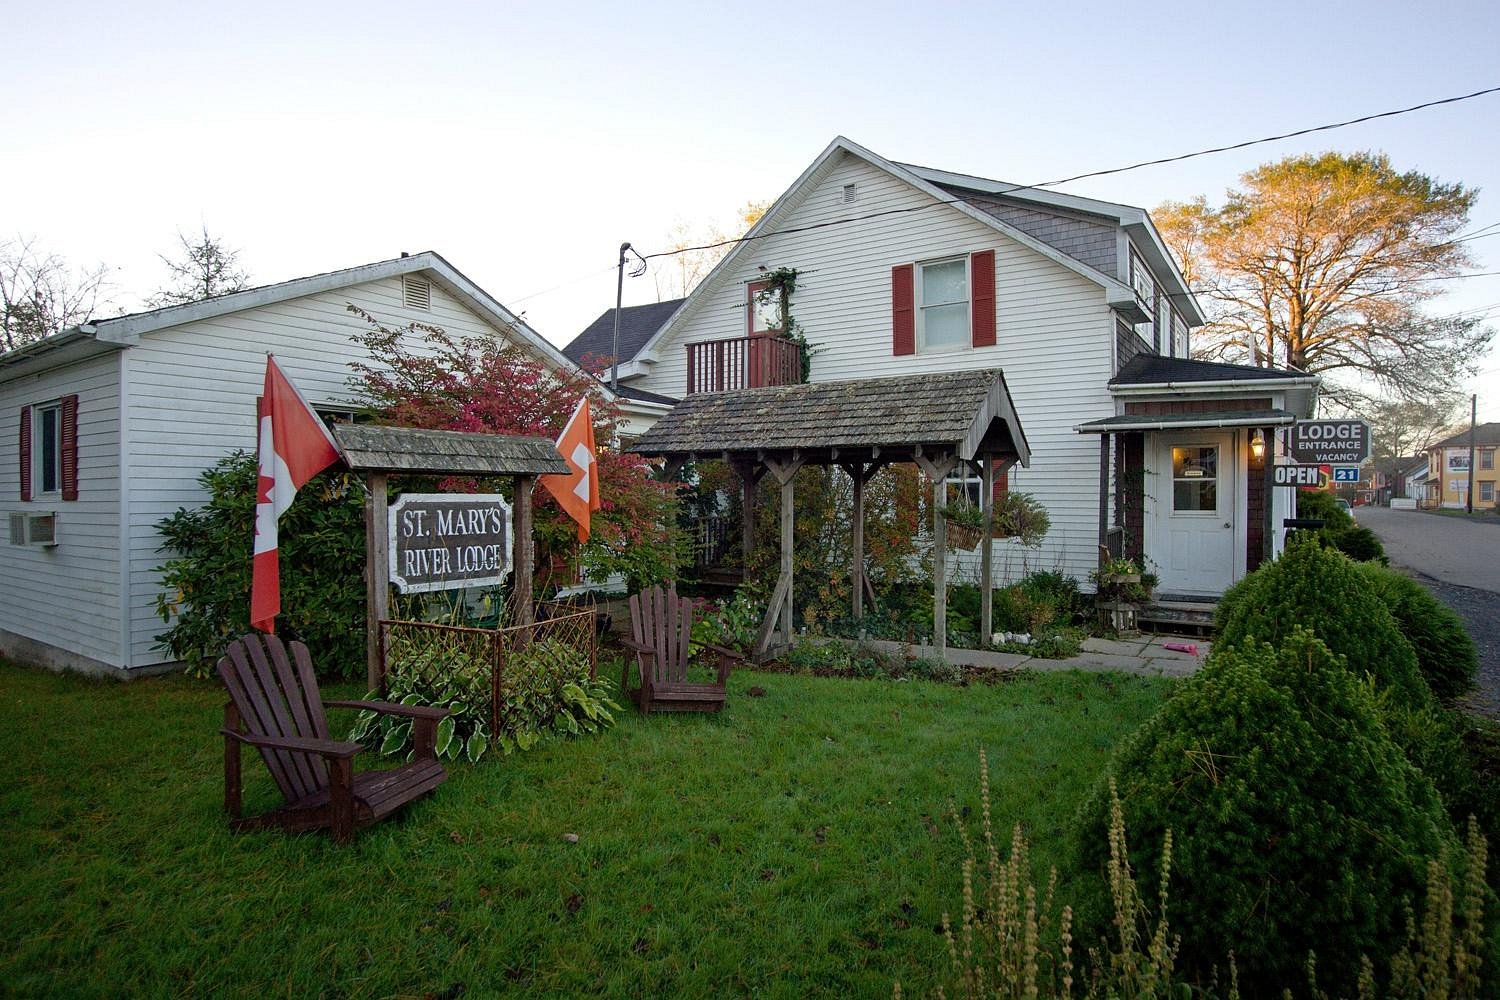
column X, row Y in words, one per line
column 1195, row 478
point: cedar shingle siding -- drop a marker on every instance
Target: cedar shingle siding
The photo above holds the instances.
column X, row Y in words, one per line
column 1086, row 241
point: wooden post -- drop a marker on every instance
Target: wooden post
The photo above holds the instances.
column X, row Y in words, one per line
column 377, row 578
column 749, row 474
column 857, row 570
column 937, row 470
column 1103, row 489
column 781, row 607
column 987, row 552
column 521, row 558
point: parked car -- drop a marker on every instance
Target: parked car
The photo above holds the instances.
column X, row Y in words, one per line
column 1346, row 507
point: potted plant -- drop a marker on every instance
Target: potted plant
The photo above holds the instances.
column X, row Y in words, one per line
column 1120, row 589
column 965, row 522
column 1019, row 516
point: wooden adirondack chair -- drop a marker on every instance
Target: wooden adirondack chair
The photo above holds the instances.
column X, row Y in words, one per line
column 275, row 707
column 661, row 631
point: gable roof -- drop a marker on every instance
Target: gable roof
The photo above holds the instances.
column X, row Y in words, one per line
column 126, row 330
column 1136, row 221
column 1152, row 369
column 1116, row 292
column 1485, row 435
column 958, row 411
column 637, row 325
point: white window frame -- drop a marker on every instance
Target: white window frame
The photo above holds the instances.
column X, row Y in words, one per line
column 38, row 482
column 1486, row 459
column 1487, row 491
column 921, row 306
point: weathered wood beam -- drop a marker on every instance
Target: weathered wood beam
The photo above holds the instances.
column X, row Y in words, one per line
column 857, row 543
column 987, row 552
column 377, row 578
column 521, row 558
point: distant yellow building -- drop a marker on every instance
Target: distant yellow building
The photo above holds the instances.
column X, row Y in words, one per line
column 1448, row 469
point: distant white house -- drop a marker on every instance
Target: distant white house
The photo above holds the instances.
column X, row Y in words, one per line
column 105, row 427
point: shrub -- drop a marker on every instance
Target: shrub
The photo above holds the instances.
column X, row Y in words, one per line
column 205, row 597
column 1322, row 591
column 546, row 690
column 1318, row 503
column 1357, row 542
column 1445, row 653
column 1295, row 819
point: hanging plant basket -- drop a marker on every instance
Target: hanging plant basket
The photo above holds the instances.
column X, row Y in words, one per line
column 963, row 536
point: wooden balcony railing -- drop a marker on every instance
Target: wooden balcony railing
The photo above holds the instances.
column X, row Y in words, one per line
column 753, row 362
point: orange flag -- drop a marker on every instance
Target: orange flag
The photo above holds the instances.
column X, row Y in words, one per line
column 577, row 493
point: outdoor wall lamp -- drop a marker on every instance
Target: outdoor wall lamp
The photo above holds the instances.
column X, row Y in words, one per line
column 1258, row 444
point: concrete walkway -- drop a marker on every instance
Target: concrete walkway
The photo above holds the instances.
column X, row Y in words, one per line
column 1146, row 656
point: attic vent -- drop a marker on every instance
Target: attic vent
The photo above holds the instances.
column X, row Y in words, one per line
column 416, row 292
column 851, row 193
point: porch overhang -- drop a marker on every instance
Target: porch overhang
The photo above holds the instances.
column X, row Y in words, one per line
column 1188, row 421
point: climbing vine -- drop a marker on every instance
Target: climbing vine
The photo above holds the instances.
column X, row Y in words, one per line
column 780, row 284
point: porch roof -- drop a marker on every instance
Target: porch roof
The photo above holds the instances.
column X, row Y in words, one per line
column 965, row 414
column 1188, row 421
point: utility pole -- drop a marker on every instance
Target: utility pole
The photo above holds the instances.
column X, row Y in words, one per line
column 614, row 363
column 1473, row 416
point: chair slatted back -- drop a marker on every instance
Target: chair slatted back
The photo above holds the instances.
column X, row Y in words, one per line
column 662, row 621
column 278, row 697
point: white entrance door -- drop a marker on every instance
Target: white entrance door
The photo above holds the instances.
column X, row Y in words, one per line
column 1196, row 507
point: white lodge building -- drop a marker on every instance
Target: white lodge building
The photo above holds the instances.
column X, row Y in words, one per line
column 906, row 270
column 104, row 429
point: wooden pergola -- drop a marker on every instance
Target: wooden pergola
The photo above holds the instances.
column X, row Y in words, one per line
column 938, row 422
column 380, row 452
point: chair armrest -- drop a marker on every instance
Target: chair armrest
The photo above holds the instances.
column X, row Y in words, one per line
column 391, row 708
column 638, row 647
column 723, row 651
column 297, row 744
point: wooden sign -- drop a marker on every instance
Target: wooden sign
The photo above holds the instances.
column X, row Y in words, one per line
column 443, row 541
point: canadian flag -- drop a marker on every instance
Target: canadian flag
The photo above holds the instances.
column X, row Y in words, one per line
column 577, row 493
column 294, row 447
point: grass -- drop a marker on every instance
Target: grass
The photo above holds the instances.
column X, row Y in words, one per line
column 793, row 846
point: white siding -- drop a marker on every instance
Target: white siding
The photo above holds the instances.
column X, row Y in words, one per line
column 192, row 395
column 1054, row 332
column 67, row 595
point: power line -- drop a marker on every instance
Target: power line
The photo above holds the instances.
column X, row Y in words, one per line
column 1084, row 176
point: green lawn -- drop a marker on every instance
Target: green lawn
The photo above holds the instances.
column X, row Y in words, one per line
column 793, row 846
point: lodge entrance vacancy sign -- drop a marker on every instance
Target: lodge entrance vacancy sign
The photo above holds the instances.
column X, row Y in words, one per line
column 443, row 541
column 1331, row 442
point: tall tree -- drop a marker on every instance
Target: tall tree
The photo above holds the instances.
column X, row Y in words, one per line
column 677, row 275
column 1326, row 263
column 40, row 293
column 201, row 267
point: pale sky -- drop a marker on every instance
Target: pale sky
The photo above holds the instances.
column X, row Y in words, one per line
column 524, row 143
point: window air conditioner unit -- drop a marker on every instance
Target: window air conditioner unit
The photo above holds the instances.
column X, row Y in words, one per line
column 34, row 529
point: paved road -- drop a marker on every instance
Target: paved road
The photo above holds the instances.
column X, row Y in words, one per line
column 1459, row 561
column 1451, row 549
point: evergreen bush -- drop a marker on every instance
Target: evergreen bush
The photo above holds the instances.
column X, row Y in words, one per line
column 205, row 597
column 1445, row 653
column 1324, row 592
column 1295, row 819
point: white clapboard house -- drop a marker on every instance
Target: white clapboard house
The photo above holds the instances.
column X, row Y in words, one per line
column 105, row 427
column 908, row 270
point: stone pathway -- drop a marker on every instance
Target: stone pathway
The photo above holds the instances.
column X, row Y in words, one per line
column 1146, row 656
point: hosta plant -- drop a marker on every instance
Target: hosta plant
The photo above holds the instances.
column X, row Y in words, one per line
column 546, row 690
column 427, row 669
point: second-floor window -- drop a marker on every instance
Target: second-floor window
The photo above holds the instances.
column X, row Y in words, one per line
column 1487, row 459
column 762, row 310
column 943, row 304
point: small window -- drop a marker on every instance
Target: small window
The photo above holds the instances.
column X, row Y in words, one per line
column 1487, row 492
column 851, row 193
column 966, row 486
column 416, row 292
column 763, row 312
column 943, row 305
column 1195, row 479
column 1487, row 459
column 46, row 448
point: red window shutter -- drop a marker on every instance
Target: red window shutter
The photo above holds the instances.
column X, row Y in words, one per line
column 69, row 447
column 25, row 453
column 903, row 310
column 982, row 312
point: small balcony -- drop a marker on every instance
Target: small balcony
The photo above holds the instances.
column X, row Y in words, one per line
column 753, row 362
